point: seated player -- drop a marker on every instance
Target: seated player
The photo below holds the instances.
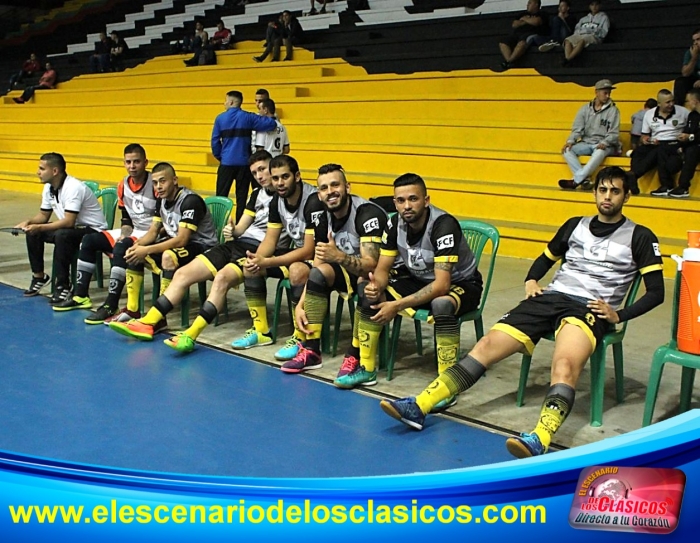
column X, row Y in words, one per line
column 602, row 255
column 347, row 252
column 78, row 213
column 294, row 214
column 223, row 263
column 439, row 274
column 137, row 202
column 182, row 228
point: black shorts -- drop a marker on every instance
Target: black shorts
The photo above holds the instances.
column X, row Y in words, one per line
column 536, row 317
column 183, row 256
column 345, row 283
column 232, row 252
column 466, row 294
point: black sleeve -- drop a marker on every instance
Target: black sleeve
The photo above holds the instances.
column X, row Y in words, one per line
column 446, row 237
column 370, row 222
column 313, row 211
column 126, row 219
column 250, row 206
column 389, row 246
column 193, row 210
column 555, row 250
column 274, row 216
column 321, row 231
column 647, row 256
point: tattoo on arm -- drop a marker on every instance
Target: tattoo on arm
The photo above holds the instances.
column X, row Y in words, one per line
column 445, row 266
column 354, row 263
column 425, row 295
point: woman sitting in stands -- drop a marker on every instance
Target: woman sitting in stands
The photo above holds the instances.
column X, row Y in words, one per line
column 47, row 81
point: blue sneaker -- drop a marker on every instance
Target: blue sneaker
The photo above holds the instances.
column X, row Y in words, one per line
column 444, row 404
column 525, row 446
column 290, row 349
column 406, row 410
column 252, row 338
column 358, row 376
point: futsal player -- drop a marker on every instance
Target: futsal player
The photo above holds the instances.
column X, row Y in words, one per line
column 601, row 256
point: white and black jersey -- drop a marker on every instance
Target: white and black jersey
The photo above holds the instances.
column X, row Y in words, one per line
column 440, row 240
column 364, row 223
column 297, row 221
column 137, row 205
column 258, row 207
column 662, row 129
column 273, row 141
column 601, row 266
column 76, row 197
column 187, row 210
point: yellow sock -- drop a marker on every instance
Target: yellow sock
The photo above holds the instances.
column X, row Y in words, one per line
column 447, row 339
column 315, row 331
column 134, row 282
column 554, row 411
column 164, row 284
column 152, row 317
column 356, row 330
column 197, row 327
column 369, row 333
column 433, row 394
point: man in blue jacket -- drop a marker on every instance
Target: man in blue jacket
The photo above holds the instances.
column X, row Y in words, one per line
column 231, row 144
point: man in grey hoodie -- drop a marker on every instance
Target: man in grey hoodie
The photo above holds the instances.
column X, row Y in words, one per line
column 596, row 133
column 591, row 29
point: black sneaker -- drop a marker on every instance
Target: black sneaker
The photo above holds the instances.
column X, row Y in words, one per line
column 36, row 285
column 661, row 191
column 257, row 59
column 73, row 302
column 632, row 181
column 586, row 185
column 61, row 294
column 679, row 192
column 313, row 11
column 568, row 184
column 99, row 315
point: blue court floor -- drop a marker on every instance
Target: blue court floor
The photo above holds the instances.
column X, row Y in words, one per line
column 83, row 393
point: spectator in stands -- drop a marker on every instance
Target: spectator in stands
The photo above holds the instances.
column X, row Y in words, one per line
column 47, row 81
column 660, row 148
column 118, row 52
column 231, row 145
column 273, row 40
column 561, row 26
column 221, row 38
column 530, row 23
column 313, row 11
column 691, row 141
column 596, row 133
column 99, row 61
column 276, row 141
column 690, row 72
column 199, row 42
column 591, row 29
column 291, row 32
column 637, row 120
column 30, row 67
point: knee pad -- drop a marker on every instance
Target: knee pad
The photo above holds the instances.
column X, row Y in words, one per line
column 363, row 302
column 316, row 282
column 119, row 251
column 442, row 306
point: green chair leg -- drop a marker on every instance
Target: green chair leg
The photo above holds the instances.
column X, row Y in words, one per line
column 419, row 338
column 393, row 346
column 282, row 286
column 619, row 372
column 655, row 373
column 524, row 372
column 687, row 381
column 597, row 365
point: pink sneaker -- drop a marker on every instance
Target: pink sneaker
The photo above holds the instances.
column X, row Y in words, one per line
column 306, row 359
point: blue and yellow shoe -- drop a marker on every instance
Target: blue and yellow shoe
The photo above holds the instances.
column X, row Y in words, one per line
column 252, row 338
column 406, row 410
column 290, row 349
column 525, row 446
column 358, row 376
column 181, row 342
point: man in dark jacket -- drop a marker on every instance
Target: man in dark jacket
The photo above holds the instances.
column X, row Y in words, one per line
column 231, row 145
column 291, row 33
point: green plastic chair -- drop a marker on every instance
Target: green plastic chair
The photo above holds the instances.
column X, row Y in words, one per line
column 614, row 338
column 478, row 234
column 94, row 186
column 220, row 209
column 669, row 353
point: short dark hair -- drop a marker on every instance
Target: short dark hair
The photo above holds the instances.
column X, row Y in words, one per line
column 285, row 160
column 610, row 173
column 55, row 160
column 567, row 2
column 268, row 104
column 696, row 31
column 220, row 22
column 651, row 103
column 595, row 2
column 331, row 167
column 695, row 93
column 135, row 148
column 161, row 166
column 410, row 179
column 236, row 95
column 263, row 92
column 257, row 156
